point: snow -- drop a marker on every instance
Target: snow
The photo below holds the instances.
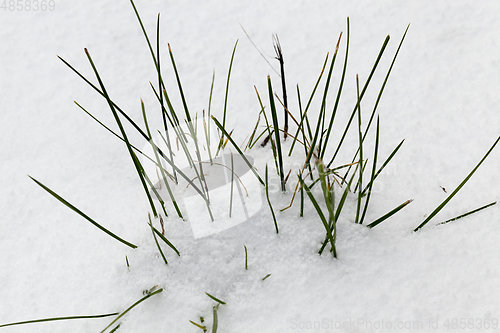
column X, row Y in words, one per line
column 442, row 98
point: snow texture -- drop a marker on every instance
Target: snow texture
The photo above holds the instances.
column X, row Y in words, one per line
column 442, row 98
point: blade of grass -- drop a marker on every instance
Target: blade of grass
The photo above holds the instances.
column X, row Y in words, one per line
column 163, row 238
column 381, row 91
column 246, row 258
column 339, row 92
column 304, row 115
column 207, row 126
column 225, row 98
column 468, row 213
column 60, row 318
column 181, row 91
column 459, row 187
column 215, row 299
column 174, row 202
column 368, row 80
column 204, row 328
column 269, row 202
column 156, row 240
column 325, row 93
column 279, row 57
column 132, row 306
column 238, row 150
column 375, row 155
column 329, row 200
column 382, row 167
column 268, row 127
column 265, row 277
column 360, row 180
column 276, row 133
column 340, row 206
column 215, row 323
column 122, row 130
column 115, row 329
column 119, row 137
column 55, row 195
column 320, row 214
column 386, row 216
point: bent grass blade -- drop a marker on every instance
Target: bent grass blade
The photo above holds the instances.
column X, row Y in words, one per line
column 55, row 195
column 131, row 307
column 459, row 187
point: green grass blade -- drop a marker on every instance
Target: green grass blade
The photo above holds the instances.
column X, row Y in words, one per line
column 179, row 171
column 55, row 195
column 339, row 92
column 132, row 306
column 59, row 318
column 102, row 94
column 375, row 155
column 215, row 323
column 382, row 167
column 386, row 216
column 265, row 277
column 269, row 201
column 304, row 115
column 360, row 135
column 115, row 329
column 163, row 238
column 368, row 80
column 119, row 137
column 227, row 93
column 468, row 213
column 320, row 214
column 215, row 299
column 246, row 258
column 268, row 128
column 207, row 126
column 238, row 150
column 122, row 130
column 385, row 82
column 326, row 192
column 276, row 133
column 144, row 32
column 459, row 187
column 325, row 93
column 181, row 91
column 156, row 241
column 204, row 328
column 380, row 93
column 155, row 150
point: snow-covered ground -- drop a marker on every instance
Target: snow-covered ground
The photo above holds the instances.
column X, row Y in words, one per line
column 442, row 98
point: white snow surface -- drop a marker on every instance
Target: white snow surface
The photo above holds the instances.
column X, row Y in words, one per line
column 442, row 98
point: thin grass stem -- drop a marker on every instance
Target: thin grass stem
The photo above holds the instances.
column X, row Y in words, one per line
column 459, row 187
column 131, row 307
column 60, row 318
column 269, row 201
column 386, row 216
column 468, row 213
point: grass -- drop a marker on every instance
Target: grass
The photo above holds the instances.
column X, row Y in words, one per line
column 316, row 140
column 458, row 188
